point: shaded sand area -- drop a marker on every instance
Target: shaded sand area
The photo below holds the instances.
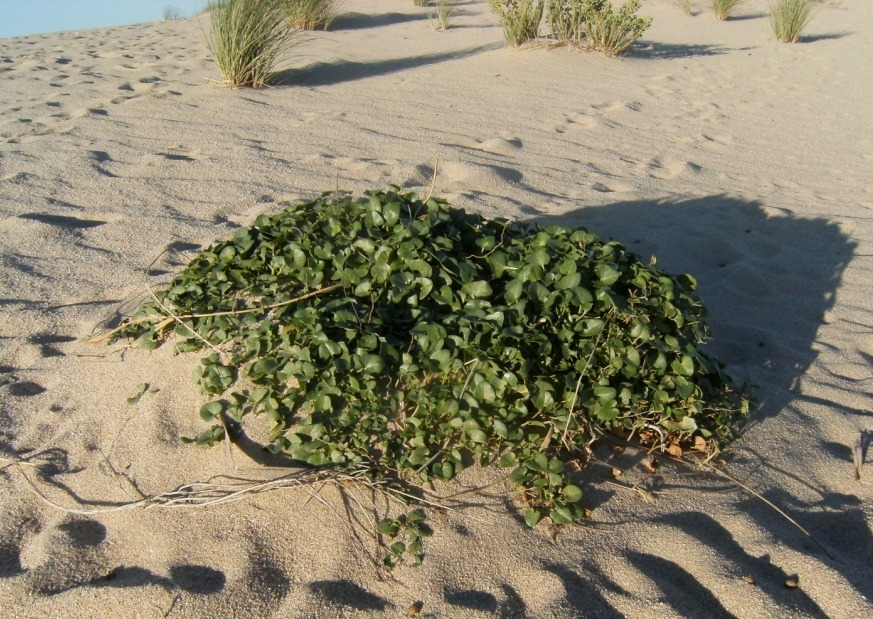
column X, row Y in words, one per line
column 725, row 154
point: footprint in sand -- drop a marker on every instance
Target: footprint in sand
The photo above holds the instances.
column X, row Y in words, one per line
column 588, row 122
column 714, row 142
column 362, row 167
column 504, row 144
column 598, row 119
column 611, row 106
column 464, row 176
column 600, row 187
column 139, row 88
column 668, row 169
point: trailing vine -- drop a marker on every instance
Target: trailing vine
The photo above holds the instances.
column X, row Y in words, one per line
column 414, row 339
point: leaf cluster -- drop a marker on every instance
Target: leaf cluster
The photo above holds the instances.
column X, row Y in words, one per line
column 408, row 532
column 414, row 339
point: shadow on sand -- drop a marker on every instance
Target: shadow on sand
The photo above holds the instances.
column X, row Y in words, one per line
column 767, row 278
column 330, row 73
column 653, row 50
column 363, row 21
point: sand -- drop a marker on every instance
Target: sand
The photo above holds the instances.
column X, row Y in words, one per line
column 723, row 153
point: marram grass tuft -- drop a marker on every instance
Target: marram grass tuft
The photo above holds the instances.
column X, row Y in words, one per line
column 788, row 18
column 249, row 40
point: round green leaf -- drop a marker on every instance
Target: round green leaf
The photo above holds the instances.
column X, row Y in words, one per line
column 571, row 493
column 532, row 517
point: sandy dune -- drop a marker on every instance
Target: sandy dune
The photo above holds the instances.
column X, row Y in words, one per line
column 723, row 153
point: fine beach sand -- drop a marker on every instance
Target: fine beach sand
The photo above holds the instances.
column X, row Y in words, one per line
column 745, row 162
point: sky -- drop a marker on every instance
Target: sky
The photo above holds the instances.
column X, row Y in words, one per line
column 21, row 17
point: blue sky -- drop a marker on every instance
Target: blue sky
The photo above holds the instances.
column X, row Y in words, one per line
column 20, row 17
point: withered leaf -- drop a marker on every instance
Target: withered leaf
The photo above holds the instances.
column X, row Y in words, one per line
column 649, row 465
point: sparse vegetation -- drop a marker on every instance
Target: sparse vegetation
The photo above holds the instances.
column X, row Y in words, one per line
column 612, row 31
column 685, row 6
column 421, row 2
column 567, row 20
column 250, row 39
column 172, row 12
column 310, row 14
column 597, row 24
column 789, row 18
column 442, row 14
column 723, row 9
column 520, row 19
column 410, row 339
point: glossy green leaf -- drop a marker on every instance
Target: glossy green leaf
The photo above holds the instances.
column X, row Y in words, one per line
column 388, row 526
column 477, row 289
column 399, row 330
column 571, row 493
column 532, row 517
column 211, row 410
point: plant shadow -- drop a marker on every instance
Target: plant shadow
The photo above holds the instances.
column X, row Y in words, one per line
column 830, row 36
column 746, row 17
column 768, row 279
column 766, row 575
column 345, row 593
column 747, row 261
column 654, row 50
column 364, row 21
column 338, row 72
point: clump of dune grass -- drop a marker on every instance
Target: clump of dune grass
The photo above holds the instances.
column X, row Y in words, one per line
column 612, row 31
column 520, row 19
column 442, row 14
column 172, row 12
column 249, row 40
column 310, row 14
column 788, row 18
column 722, row 9
column 685, row 6
column 420, row 2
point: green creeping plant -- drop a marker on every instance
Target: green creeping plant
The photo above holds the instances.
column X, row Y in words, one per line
column 414, row 339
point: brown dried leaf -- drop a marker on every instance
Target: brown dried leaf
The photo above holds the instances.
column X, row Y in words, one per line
column 650, row 464
column 792, row 582
column 749, row 580
column 674, row 450
column 616, row 473
column 699, row 443
column 414, row 609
